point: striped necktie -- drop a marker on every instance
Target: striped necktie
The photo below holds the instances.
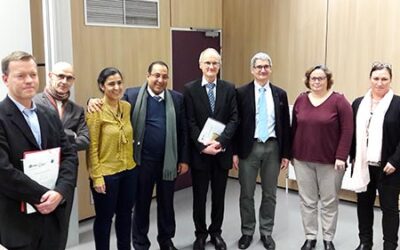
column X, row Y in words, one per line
column 211, row 98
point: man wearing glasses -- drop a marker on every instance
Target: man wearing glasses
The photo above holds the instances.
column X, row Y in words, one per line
column 56, row 97
column 205, row 98
column 262, row 146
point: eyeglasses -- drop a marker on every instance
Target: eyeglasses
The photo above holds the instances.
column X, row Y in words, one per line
column 321, row 78
column 62, row 77
column 381, row 65
column 157, row 75
column 260, row 67
column 211, row 63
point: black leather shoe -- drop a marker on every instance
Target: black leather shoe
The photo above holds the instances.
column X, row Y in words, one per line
column 328, row 245
column 364, row 246
column 199, row 243
column 245, row 241
column 170, row 247
column 309, row 245
column 218, row 242
column 268, row 242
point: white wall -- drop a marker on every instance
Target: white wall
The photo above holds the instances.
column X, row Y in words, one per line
column 15, row 26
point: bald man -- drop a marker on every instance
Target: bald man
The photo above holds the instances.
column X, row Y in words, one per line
column 56, row 98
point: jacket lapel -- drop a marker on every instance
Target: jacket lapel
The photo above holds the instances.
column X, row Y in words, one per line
column 220, row 96
column 204, row 97
column 43, row 127
column 19, row 121
column 252, row 99
column 276, row 102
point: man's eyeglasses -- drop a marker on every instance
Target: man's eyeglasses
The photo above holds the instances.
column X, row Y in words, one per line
column 381, row 65
column 211, row 63
column 321, row 78
column 163, row 77
column 260, row 67
column 67, row 77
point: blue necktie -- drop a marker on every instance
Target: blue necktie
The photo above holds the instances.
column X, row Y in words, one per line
column 262, row 116
column 157, row 98
column 211, row 97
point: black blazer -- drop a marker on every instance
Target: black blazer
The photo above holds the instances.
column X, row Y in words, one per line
column 244, row 137
column 198, row 110
column 390, row 140
column 131, row 95
column 16, row 228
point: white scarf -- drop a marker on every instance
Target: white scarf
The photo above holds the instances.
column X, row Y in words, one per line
column 372, row 153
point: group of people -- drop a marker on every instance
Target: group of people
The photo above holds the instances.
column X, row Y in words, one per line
column 146, row 136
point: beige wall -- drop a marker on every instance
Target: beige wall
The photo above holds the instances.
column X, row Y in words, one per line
column 359, row 33
column 346, row 35
column 284, row 29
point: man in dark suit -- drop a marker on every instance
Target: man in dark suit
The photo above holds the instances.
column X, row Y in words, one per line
column 262, row 143
column 160, row 150
column 56, row 97
column 206, row 98
column 25, row 127
column 159, row 122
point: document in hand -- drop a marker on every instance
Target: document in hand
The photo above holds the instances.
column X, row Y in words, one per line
column 41, row 166
column 212, row 130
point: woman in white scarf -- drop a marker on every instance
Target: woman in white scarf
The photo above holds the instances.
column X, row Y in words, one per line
column 376, row 157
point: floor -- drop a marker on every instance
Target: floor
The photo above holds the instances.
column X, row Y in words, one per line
column 288, row 231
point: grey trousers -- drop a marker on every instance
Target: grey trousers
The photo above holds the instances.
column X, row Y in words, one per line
column 264, row 158
column 318, row 182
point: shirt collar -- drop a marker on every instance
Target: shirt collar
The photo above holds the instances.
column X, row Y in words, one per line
column 205, row 82
column 152, row 94
column 257, row 85
column 22, row 107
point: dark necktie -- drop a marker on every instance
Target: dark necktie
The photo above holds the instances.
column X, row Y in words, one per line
column 157, row 98
column 211, row 98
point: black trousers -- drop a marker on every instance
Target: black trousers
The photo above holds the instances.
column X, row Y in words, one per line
column 201, row 179
column 388, row 198
column 150, row 173
column 47, row 235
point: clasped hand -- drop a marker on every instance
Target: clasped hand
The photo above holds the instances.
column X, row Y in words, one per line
column 212, row 148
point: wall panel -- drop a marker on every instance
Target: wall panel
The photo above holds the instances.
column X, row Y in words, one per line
column 285, row 29
column 197, row 14
column 359, row 33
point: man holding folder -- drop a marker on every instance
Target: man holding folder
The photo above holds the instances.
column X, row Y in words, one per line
column 206, row 98
column 24, row 128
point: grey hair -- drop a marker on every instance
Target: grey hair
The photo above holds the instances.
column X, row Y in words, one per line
column 260, row 56
column 211, row 51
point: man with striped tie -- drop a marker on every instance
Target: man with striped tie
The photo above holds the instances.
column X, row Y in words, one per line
column 205, row 98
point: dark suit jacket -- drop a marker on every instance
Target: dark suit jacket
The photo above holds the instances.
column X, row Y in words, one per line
column 244, row 137
column 73, row 121
column 131, row 95
column 198, row 110
column 390, row 140
column 16, row 228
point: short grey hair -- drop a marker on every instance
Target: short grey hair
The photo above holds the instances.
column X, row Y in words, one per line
column 260, row 56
